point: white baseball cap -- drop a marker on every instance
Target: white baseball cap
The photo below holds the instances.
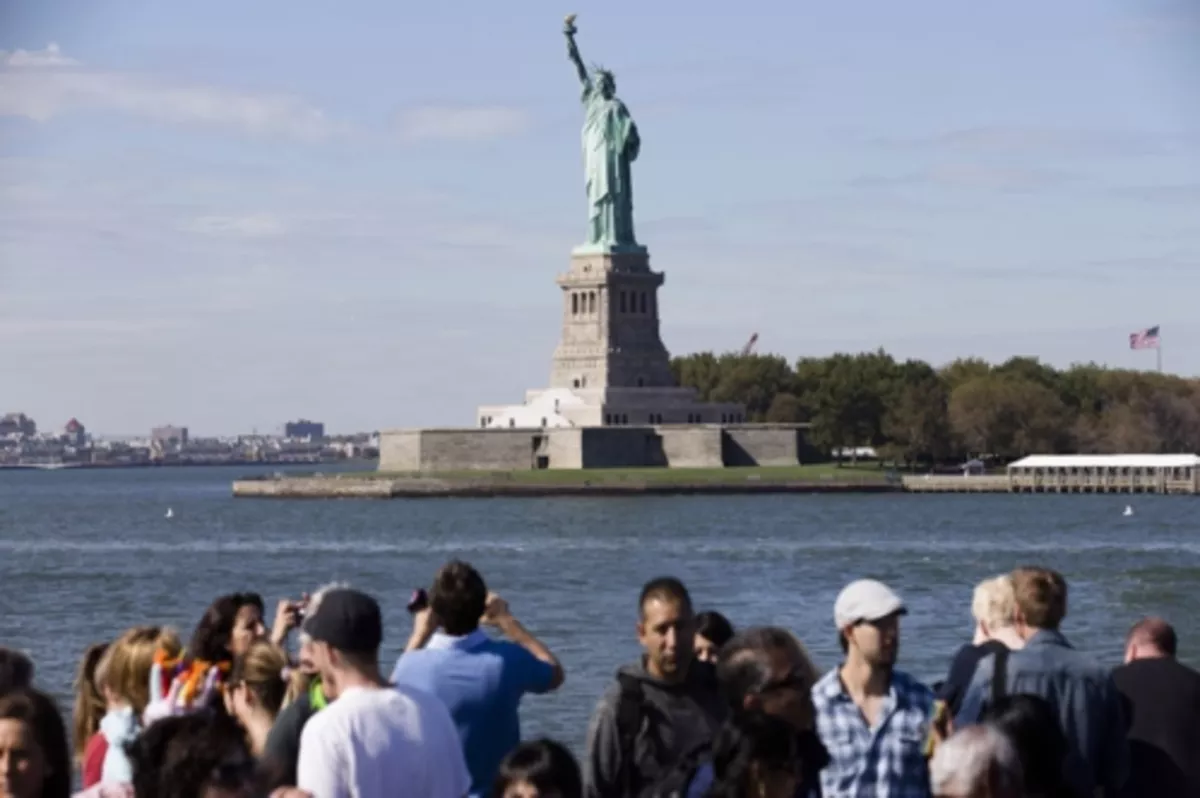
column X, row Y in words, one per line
column 866, row 600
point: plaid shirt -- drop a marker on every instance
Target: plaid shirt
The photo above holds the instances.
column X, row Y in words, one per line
column 884, row 762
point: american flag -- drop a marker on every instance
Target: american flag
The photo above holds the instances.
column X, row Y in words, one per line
column 1145, row 339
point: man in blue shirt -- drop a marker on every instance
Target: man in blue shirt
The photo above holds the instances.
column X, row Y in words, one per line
column 872, row 718
column 1080, row 690
column 480, row 680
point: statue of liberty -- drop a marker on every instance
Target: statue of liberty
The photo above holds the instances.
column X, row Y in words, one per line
column 610, row 145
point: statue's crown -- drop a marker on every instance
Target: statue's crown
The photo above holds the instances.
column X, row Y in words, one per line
column 601, row 73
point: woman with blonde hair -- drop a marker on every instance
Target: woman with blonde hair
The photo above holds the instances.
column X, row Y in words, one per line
column 89, row 744
column 123, row 677
column 994, row 607
column 255, row 691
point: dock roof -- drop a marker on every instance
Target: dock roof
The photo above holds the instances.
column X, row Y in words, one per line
column 1107, row 461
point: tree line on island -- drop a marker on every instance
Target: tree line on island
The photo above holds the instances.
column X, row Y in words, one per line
column 913, row 413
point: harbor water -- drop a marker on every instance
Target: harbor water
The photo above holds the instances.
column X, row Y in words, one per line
column 84, row 554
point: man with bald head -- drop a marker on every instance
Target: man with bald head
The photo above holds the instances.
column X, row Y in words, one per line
column 1162, row 698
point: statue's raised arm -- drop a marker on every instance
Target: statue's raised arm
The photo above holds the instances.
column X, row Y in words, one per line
column 569, row 31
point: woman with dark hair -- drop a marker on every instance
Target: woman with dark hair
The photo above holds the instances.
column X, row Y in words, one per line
column 33, row 747
column 227, row 629
column 757, row 756
column 538, row 769
column 713, row 630
column 229, row 626
column 1033, row 726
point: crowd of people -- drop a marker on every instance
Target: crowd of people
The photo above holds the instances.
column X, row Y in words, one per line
column 707, row 710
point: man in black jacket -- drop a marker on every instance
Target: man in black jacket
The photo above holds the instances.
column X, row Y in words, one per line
column 662, row 710
column 1162, row 697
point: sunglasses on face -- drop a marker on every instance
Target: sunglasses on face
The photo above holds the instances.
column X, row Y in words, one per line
column 794, row 680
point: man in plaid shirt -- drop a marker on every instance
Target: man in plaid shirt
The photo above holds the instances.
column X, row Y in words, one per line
column 872, row 718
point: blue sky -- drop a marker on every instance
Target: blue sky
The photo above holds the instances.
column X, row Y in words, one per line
column 228, row 214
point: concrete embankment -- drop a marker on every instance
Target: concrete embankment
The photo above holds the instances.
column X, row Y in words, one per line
column 943, row 483
column 422, row 487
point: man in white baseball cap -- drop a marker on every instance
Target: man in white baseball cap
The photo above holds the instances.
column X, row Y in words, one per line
column 872, row 718
column 866, row 600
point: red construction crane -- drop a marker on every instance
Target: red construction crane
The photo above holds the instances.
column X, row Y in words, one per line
column 749, row 347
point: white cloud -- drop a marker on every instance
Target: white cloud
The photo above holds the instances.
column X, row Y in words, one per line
column 37, row 59
column 32, row 90
column 260, row 225
column 461, row 123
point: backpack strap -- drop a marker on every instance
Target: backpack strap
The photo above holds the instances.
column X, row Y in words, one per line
column 1000, row 675
column 629, row 722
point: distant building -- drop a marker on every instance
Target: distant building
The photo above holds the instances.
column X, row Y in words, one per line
column 313, row 430
column 17, row 424
column 75, row 433
column 169, row 435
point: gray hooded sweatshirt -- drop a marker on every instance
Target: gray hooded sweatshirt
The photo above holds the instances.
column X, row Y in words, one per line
column 676, row 720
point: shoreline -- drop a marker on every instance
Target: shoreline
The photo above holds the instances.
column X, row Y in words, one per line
column 645, row 482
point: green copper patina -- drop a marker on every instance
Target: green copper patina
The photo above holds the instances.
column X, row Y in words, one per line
column 610, row 145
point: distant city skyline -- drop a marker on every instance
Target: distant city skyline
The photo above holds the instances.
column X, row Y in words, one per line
column 183, row 431
column 318, row 213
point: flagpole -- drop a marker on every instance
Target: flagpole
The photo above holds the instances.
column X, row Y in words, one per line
column 1158, row 354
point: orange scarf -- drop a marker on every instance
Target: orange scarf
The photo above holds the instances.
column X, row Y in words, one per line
column 192, row 672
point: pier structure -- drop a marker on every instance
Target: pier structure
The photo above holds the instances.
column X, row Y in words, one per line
column 1075, row 473
column 1105, row 473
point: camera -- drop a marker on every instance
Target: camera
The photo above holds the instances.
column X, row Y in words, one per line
column 419, row 601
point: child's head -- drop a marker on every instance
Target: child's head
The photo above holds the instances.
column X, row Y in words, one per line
column 538, row 769
column 123, row 675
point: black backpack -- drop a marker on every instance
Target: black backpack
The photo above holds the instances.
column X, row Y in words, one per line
column 653, row 775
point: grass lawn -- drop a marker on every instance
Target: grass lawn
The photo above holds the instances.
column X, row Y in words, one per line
column 809, row 472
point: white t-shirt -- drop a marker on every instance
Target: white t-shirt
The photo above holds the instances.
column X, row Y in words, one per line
column 378, row 743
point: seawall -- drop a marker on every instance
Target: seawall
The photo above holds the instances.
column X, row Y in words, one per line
column 422, row 487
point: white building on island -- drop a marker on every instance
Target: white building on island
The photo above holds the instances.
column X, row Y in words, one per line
column 1106, row 473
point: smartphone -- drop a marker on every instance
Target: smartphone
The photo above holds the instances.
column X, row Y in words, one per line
column 419, row 600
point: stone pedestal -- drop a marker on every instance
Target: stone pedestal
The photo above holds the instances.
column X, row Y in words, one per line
column 610, row 367
column 610, row 328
